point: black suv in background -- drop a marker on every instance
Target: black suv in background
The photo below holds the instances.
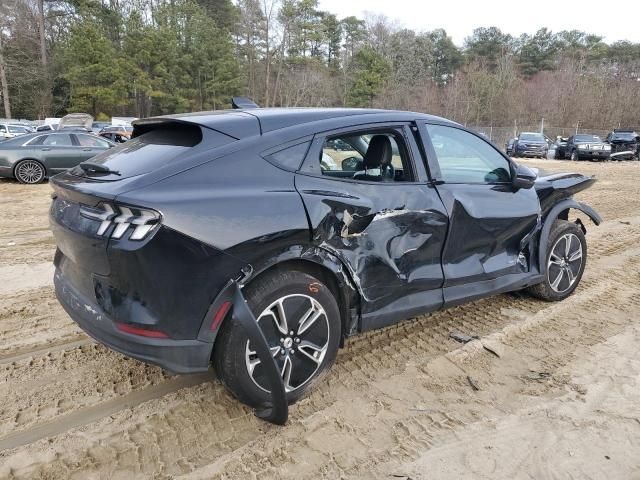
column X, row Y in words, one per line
column 587, row 147
column 625, row 144
column 529, row 144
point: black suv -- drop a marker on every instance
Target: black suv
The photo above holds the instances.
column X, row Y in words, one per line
column 625, row 144
column 162, row 238
column 587, row 147
column 529, row 144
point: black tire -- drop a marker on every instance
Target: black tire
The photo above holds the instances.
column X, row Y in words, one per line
column 231, row 352
column 545, row 290
column 29, row 171
column 574, row 156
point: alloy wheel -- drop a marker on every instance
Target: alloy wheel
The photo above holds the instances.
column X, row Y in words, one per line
column 296, row 328
column 29, row 171
column 565, row 262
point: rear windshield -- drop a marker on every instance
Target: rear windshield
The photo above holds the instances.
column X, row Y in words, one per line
column 533, row 137
column 151, row 150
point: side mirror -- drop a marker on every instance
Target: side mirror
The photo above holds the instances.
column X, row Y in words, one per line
column 524, row 177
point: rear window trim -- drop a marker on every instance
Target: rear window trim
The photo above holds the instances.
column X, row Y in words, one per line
column 265, row 154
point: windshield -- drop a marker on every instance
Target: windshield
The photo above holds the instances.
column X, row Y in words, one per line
column 18, row 129
column 587, row 138
column 532, row 137
column 629, row 136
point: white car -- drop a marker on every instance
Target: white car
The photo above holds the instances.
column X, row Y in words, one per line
column 10, row 130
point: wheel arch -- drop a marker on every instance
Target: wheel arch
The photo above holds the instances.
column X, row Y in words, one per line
column 561, row 211
column 324, row 266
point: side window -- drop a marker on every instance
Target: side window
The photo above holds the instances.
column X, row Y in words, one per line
column 61, row 140
column 290, row 157
column 366, row 156
column 465, row 158
column 36, row 141
column 3, row 129
column 91, row 141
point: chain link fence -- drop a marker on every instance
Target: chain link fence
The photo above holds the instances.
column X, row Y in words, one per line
column 501, row 135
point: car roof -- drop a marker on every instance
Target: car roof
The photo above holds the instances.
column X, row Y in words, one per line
column 241, row 123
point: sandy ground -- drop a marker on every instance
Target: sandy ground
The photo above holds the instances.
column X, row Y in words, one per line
column 560, row 401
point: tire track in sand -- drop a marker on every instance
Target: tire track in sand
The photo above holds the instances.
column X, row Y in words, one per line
column 94, row 413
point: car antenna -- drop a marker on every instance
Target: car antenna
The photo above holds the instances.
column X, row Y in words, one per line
column 243, row 103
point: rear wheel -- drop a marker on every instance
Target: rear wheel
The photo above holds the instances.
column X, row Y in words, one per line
column 300, row 319
column 29, row 171
column 565, row 262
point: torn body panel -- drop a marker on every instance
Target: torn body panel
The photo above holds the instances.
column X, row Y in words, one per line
column 487, row 226
column 389, row 236
column 554, row 187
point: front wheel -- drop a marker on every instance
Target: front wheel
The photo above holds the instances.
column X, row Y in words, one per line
column 565, row 262
column 300, row 319
column 574, row 156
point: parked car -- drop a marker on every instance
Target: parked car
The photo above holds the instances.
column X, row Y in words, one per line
column 96, row 127
column 584, row 146
column 161, row 239
column 112, row 130
column 47, row 127
column 10, row 130
column 530, row 144
column 116, row 137
column 340, row 145
column 625, row 144
column 32, row 158
column 508, row 147
column 82, row 121
column 560, row 146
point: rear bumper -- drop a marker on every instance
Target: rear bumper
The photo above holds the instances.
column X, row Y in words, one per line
column 177, row 356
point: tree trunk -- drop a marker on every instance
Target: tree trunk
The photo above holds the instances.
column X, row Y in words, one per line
column 3, row 84
column 46, row 100
column 43, row 45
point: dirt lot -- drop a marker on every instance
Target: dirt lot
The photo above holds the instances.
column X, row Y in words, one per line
column 561, row 400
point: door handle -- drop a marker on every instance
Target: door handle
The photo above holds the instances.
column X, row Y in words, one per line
column 86, row 149
column 46, row 149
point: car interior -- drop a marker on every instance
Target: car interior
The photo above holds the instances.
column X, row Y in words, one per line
column 366, row 156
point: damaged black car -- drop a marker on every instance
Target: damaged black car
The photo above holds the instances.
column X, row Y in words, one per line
column 161, row 239
column 625, row 144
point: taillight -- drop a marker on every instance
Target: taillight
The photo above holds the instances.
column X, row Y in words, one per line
column 220, row 314
column 141, row 220
column 141, row 332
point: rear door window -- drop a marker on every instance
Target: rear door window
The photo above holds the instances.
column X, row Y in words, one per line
column 91, row 141
column 59, row 140
column 376, row 156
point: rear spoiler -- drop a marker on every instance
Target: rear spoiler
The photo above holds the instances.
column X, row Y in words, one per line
column 243, row 103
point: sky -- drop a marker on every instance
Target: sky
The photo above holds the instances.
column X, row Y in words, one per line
column 618, row 20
